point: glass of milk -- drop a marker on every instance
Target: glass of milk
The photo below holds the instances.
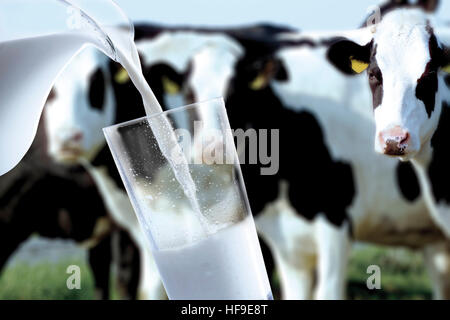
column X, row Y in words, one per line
column 191, row 201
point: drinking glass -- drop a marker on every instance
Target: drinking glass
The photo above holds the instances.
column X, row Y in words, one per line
column 191, row 201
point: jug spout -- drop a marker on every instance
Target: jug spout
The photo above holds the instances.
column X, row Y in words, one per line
column 33, row 55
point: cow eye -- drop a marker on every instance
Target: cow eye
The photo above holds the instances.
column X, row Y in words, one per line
column 375, row 76
column 97, row 90
column 51, row 95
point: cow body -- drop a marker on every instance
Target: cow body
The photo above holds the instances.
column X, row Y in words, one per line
column 307, row 220
column 40, row 197
column 83, row 101
column 383, row 203
column 410, row 99
column 382, row 210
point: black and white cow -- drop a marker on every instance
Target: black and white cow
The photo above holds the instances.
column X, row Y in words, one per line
column 336, row 182
column 407, row 61
column 389, row 5
column 84, row 100
column 240, row 63
column 93, row 93
column 41, row 197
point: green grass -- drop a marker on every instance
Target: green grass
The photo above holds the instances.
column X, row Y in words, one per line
column 44, row 281
column 403, row 276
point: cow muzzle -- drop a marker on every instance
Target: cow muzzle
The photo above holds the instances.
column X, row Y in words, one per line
column 70, row 149
column 395, row 141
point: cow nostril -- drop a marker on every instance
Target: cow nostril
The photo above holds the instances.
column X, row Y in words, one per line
column 394, row 148
column 405, row 139
column 77, row 137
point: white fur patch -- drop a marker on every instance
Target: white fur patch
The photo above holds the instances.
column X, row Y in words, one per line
column 70, row 111
column 402, row 53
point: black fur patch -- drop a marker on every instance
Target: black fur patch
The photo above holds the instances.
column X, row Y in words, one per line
column 388, row 6
column 342, row 50
column 375, row 80
column 407, row 181
column 439, row 169
column 97, row 90
column 426, row 89
column 317, row 183
column 281, row 73
column 254, row 33
column 427, row 84
column 447, row 80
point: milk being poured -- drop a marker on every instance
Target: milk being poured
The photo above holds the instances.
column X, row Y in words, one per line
column 33, row 63
column 127, row 55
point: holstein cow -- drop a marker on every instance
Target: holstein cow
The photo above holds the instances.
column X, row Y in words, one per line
column 83, row 101
column 337, row 187
column 326, row 208
column 92, row 93
column 407, row 62
column 297, row 271
column 40, row 197
column 389, row 5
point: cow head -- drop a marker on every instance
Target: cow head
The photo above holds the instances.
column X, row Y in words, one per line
column 80, row 104
column 404, row 63
column 213, row 65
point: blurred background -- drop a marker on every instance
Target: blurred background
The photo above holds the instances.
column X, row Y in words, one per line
column 309, row 15
column 38, row 250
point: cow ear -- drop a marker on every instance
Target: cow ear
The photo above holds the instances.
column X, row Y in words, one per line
column 272, row 69
column 170, row 86
column 428, row 5
column 349, row 57
column 120, row 75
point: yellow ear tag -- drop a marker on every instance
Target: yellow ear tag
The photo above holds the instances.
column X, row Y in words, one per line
column 259, row 82
column 121, row 76
column 169, row 86
column 446, row 68
column 358, row 66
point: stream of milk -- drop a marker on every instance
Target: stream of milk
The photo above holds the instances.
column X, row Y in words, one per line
column 127, row 55
column 33, row 63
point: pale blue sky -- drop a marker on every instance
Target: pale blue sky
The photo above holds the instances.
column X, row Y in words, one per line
column 26, row 20
column 303, row 14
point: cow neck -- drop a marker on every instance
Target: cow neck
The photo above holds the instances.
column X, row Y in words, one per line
column 438, row 169
column 433, row 159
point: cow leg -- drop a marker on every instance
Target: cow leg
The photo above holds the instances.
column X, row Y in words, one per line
column 296, row 281
column 437, row 260
column 295, row 270
column 150, row 287
column 291, row 243
column 9, row 245
column 295, row 267
column 12, row 234
column 100, row 261
column 333, row 250
column 127, row 261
